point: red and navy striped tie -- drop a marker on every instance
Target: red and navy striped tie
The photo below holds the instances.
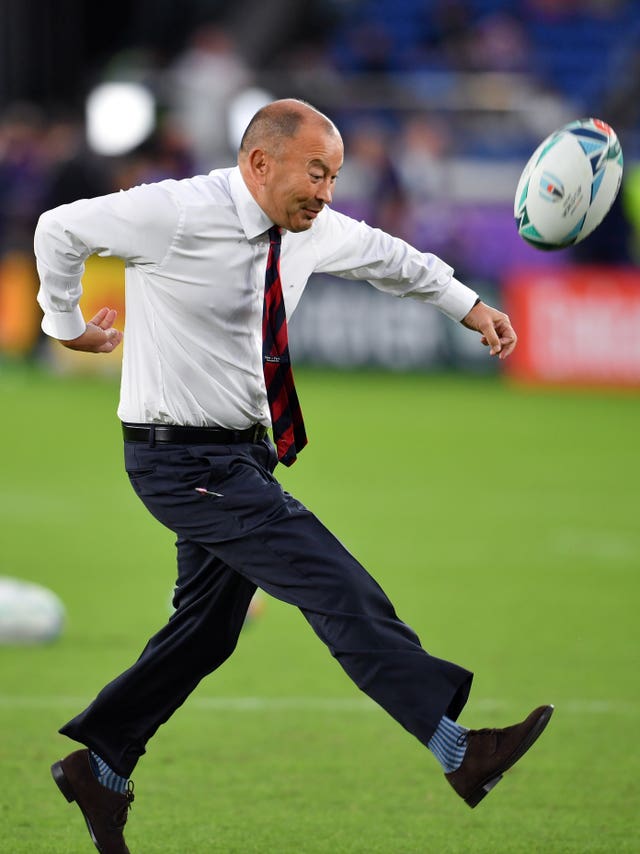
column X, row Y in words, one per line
column 286, row 416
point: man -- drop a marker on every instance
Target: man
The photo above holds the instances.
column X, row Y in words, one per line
column 214, row 265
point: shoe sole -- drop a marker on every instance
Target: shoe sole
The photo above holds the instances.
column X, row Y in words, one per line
column 487, row 785
column 60, row 779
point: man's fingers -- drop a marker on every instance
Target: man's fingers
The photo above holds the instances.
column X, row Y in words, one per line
column 105, row 338
column 100, row 316
column 104, row 318
column 108, row 346
column 508, row 338
column 113, row 338
column 507, row 348
column 500, row 337
column 110, row 316
column 490, row 337
column 494, row 327
column 95, row 339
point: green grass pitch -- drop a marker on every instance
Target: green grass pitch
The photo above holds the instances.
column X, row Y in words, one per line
column 502, row 522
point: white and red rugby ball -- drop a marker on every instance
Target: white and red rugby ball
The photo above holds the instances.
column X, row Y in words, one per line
column 569, row 184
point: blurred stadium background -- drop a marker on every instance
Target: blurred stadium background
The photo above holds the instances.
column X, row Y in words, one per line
column 523, row 501
column 440, row 103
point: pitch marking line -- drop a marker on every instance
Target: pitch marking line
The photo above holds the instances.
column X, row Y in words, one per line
column 327, row 704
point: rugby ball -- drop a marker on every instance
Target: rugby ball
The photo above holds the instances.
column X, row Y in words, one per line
column 569, row 184
column 29, row 613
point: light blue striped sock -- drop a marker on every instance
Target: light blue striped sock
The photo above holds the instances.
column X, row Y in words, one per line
column 448, row 744
column 106, row 775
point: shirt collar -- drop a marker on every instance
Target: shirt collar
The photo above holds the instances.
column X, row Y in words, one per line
column 253, row 219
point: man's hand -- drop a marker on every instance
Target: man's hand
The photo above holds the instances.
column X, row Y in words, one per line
column 99, row 336
column 495, row 327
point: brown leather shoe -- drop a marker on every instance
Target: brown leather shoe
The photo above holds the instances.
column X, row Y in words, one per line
column 491, row 752
column 104, row 811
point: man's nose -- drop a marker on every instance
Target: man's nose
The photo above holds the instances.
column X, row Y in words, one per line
column 325, row 192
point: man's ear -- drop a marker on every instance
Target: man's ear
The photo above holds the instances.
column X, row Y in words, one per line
column 258, row 163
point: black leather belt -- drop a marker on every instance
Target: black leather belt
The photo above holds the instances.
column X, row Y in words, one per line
column 179, row 435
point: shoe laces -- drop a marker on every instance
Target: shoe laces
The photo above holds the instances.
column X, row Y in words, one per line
column 121, row 814
column 464, row 737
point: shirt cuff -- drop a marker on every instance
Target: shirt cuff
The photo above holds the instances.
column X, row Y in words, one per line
column 456, row 301
column 64, row 325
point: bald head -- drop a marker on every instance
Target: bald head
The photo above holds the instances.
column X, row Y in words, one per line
column 289, row 157
column 278, row 123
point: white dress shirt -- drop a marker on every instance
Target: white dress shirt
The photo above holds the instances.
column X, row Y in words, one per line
column 195, row 255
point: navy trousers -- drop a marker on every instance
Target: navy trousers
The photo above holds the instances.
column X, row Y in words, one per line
column 253, row 534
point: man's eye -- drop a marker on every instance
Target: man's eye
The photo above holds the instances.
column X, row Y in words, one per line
column 316, row 177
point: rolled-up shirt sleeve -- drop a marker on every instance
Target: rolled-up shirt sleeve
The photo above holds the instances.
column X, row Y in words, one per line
column 137, row 225
column 355, row 250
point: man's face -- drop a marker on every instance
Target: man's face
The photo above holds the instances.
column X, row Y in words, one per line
column 300, row 180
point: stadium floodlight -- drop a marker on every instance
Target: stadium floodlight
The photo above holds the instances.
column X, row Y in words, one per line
column 119, row 117
column 241, row 110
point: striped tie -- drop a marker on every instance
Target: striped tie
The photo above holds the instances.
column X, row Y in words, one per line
column 286, row 416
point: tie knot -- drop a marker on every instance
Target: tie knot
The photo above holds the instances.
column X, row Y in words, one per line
column 274, row 234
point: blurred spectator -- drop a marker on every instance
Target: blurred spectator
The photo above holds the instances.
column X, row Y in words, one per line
column 620, row 90
column 444, row 34
column 563, row 8
column 21, row 175
column 368, row 47
column 279, row 27
column 369, row 185
column 167, row 154
column 72, row 170
column 311, row 74
column 499, row 43
column 200, row 84
column 554, row 8
column 420, row 157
